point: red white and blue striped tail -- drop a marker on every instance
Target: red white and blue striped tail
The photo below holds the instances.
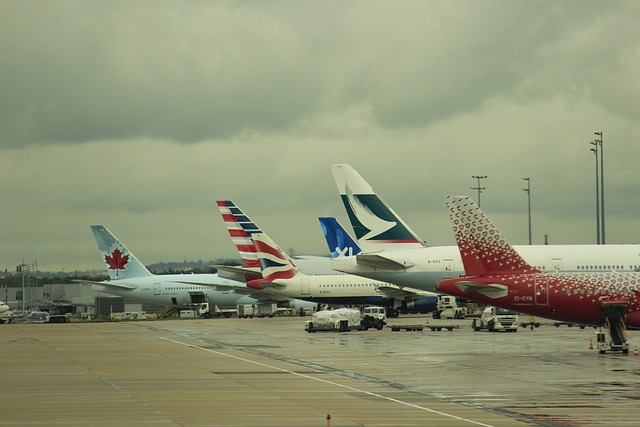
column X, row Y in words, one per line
column 241, row 229
column 274, row 263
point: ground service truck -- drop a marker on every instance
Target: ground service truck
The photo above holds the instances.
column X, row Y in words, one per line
column 496, row 319
column 347, row 319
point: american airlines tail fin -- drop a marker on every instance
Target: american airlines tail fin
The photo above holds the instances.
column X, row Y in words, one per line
column 376, row 226
column 120, row 262
column 240, row 228
column 339, row 241
column 274, row 263
column 482, row 247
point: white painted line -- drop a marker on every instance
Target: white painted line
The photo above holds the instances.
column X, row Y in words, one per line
column 391, row 399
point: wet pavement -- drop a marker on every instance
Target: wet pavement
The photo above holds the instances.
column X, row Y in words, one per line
column 270, row 372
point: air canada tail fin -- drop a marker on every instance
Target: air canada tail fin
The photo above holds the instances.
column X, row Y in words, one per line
column 376, row 225
column 240, row 228
column 482, row 247
column 339, row 241
column 120, row 262
column 274, row 263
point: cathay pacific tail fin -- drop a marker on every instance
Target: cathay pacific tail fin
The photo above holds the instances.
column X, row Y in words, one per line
column 376, row 226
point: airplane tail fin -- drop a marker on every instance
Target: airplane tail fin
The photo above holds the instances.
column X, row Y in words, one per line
column 482, row 247
column 274, row 263
column 376, row 225
column 240, row 228
column 120, row 262
column 339, row 241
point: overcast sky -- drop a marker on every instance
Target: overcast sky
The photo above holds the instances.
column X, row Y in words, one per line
column 139, row 115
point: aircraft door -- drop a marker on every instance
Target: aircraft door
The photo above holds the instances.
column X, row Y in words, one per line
column 557, row 264
column 156, row 288
column 541, row 291
column 447, row 268
column 305, row 287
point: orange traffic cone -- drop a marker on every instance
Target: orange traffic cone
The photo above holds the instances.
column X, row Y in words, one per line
column 590, row 344
column 635, row 351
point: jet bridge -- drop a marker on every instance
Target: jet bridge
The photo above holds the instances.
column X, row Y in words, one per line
column 612, row 316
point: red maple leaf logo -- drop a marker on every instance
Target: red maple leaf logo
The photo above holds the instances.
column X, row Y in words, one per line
column 116, row 261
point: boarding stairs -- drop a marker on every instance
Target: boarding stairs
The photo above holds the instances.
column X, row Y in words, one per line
column 166, row 312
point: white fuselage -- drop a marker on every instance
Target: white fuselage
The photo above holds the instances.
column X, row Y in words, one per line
column 431, row 264
column 332, row 289
column 174, row 290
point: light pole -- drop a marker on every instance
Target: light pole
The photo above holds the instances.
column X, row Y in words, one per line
column 528, row 191
column 478, row 177
column 595, row 151
column 599, row 142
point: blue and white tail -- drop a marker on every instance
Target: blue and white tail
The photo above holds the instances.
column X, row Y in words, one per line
column 338, row 240
column 483, row 248
column 375, row 224
column 120, row 262
column 274, row 263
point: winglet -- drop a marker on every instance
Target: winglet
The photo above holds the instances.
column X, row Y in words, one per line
column 375, row 224
column 338, row 240
column 482, row 247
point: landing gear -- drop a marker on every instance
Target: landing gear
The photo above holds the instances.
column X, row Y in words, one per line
column 612, row 313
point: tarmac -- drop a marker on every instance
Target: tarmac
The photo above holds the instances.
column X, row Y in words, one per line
column 270, row 372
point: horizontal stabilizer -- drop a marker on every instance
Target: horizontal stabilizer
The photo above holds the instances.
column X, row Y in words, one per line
column 382, row 262
column 124, row 286
column 272, row 285
column 237, row 273
column 490, row 290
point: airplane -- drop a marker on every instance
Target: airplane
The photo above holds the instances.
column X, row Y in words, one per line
column 281, row 276
column 5, row 312
column 316, row 272
column 396, row 254
column 497, row 275
column 129, row 277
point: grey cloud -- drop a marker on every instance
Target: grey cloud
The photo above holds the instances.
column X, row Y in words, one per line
column 85, row 71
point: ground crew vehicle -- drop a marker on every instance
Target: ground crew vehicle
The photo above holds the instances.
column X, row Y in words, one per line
column 496, row 319
column 347, row 319
column 206, row 310
column 449, row 307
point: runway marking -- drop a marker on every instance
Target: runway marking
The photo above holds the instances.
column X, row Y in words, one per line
column 391, row 399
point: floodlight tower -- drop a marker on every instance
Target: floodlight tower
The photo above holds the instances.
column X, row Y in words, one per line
column 479, row 177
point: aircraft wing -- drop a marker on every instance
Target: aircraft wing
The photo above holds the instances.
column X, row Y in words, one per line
column 124, row 286
column 381, row 262
column 239, row 288
column 491, row 290
column 259, row 294
column 403, row 293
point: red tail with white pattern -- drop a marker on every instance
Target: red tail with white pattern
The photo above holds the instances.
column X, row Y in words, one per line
column 482, row 247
